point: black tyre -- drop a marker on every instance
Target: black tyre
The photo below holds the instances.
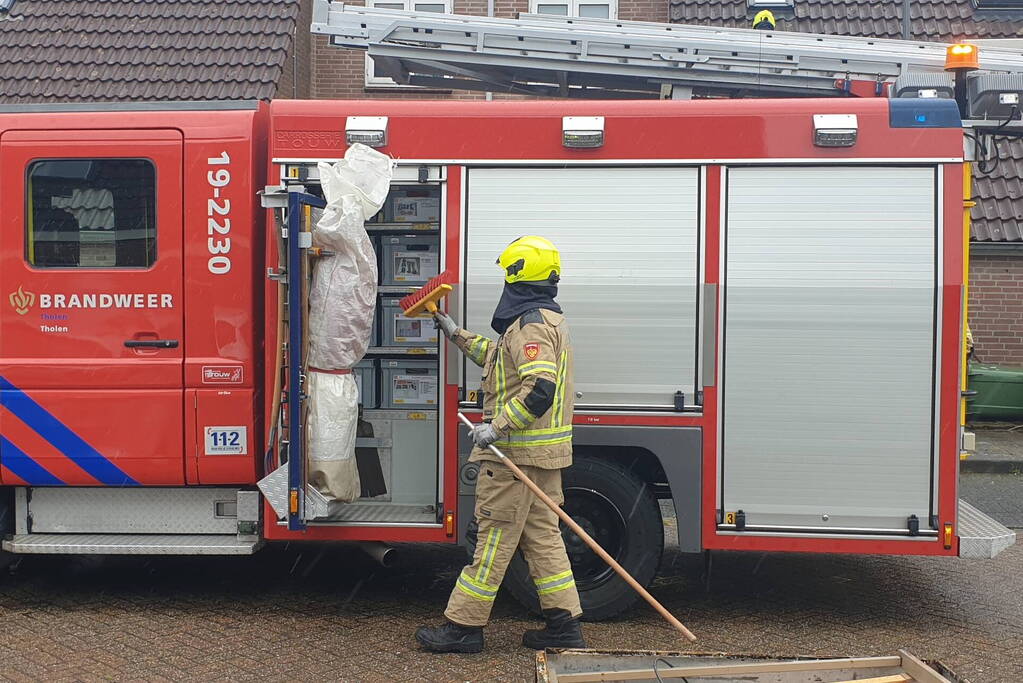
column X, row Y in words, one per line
column 618, row 510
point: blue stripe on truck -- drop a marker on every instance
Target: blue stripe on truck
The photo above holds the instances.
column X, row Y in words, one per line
column 60, row 437
column 31, row 472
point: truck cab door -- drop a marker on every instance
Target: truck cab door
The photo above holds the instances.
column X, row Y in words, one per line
column 91, row 326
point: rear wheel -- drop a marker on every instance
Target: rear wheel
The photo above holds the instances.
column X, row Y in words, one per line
column 616, row 509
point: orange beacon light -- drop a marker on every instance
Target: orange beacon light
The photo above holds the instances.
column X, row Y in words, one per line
column 962, row 56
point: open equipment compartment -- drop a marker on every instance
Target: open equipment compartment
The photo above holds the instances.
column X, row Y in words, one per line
column 398, row 438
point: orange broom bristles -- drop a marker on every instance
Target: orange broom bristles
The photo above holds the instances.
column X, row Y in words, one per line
column 426, row 298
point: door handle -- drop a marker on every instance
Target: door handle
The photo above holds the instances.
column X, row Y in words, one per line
column 151, row 343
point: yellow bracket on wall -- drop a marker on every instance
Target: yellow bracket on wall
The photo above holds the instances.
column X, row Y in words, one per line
column 968, row 204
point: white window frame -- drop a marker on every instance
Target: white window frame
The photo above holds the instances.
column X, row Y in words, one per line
column 768, row 4
column 998, row 4
column 374, row 81
column 573, row 6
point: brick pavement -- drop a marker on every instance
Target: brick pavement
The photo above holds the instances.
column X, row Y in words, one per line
column 308, row 612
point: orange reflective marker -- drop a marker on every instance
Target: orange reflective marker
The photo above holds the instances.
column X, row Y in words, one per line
column 449, row 523
column 962, row 56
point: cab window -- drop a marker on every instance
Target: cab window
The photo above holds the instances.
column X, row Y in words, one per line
column 91, row 213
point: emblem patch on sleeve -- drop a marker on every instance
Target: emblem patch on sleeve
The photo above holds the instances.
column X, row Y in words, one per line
column 532, row 350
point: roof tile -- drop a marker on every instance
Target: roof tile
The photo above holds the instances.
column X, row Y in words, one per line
column 115, row 50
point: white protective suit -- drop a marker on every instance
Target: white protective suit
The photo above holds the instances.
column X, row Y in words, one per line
column 342, row 302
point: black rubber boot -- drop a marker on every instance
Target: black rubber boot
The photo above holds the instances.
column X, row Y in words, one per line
column 450, row 637
column 562, row 630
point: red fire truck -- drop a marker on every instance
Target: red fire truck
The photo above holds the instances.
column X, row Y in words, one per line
column 766, row 299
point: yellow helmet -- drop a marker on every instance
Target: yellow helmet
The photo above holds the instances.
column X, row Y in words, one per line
column 530, row 259
column 764, row 20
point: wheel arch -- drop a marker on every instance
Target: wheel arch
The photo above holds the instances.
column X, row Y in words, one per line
column 669, row 456
column 660, row 456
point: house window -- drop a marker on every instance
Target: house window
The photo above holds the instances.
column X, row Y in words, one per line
column 593, row 9
column 91, row 213
column 998, row 4
column 375, row 80
column 768, row 4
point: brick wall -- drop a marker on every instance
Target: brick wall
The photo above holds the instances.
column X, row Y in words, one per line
column 296, row 77
column 996, row 307
column 340, row 74
column 643, row 10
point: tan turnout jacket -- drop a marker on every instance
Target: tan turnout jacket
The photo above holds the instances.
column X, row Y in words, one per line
column 534, row 348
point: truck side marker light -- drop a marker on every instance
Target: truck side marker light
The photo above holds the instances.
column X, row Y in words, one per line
column 369, row 130
column 582, row 132
column 948, row 536
column 449, row 523
column 834, row 130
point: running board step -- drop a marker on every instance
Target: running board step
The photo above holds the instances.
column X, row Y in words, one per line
column 275, row 489
column 981, row 537
column 132, row 544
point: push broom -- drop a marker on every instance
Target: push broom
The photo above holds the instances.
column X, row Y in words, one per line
column 425, row 299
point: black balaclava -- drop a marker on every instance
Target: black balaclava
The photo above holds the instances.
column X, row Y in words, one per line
column 521, row 297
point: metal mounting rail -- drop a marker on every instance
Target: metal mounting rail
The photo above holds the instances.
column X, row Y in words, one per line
column 580, row 57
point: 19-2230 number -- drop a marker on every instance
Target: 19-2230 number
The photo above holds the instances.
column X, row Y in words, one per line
column 218, row 219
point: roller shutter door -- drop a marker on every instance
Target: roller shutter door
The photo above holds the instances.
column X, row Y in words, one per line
column 628, row 239
column 829, row 347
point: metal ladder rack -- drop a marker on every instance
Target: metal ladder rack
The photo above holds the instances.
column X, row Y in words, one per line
column 581, row 57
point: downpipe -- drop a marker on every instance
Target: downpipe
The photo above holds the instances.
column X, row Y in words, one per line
column 383, row 553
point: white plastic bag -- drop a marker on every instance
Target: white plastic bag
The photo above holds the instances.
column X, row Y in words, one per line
column 342, row 302
column 342, row 298
column 364, row 174
column 343, row 294
column 333, row 413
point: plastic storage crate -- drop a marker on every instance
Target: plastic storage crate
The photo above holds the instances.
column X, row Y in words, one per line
column 413, row 206
column 408, row 259
column 365, row 373
column 408, row 383
column 397, row 329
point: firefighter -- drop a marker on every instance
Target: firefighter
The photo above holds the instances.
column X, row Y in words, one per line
column 764, row 20
column 527, row 413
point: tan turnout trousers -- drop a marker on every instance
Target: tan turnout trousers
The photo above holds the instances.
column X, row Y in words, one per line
column 511, row 517
column 528, row 368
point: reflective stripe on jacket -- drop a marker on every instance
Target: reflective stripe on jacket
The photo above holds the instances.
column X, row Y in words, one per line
column 527, row 388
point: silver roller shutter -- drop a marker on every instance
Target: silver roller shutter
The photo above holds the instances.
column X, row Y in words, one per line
column 829, row 346
column 628, row 240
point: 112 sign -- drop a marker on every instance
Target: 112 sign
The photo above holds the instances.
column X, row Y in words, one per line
column 227, row 440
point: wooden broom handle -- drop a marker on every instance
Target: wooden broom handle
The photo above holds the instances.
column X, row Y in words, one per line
column 594, row 546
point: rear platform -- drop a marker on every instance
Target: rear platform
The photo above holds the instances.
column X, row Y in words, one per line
column 980, row 536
